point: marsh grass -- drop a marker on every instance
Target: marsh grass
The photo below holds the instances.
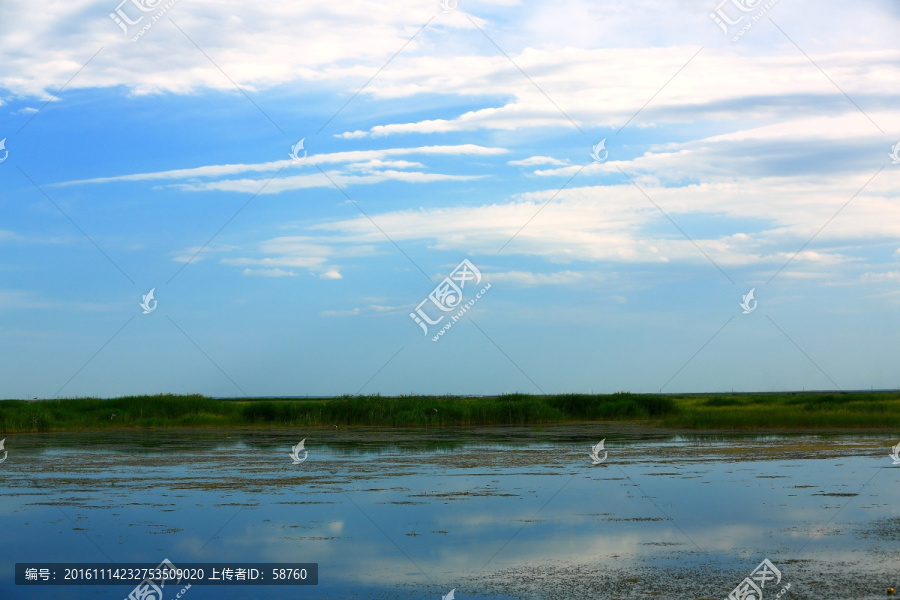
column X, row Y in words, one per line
column 790, row 411
column 730, row 411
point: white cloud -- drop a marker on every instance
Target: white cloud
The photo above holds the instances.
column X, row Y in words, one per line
column 198, row 253
column 7, row 236
column 537, row 160
column 341, row 313
column 282, row 261
column 11, row 236
column 598, row 62
column 371, row 309
column 880, row 277
column 368, row 159
column 529, row 279
column 718, row 85
column 16, row 299
column 617, row 223
column 834, row 148
column 375, row 164
column 770, row 149
column 299, row 182
column 268, row 272
column 246, row 40
column 277, row 257
column 31, row 300
column 295, row 245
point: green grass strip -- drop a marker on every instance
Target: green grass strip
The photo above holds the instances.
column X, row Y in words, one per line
column 807, row 410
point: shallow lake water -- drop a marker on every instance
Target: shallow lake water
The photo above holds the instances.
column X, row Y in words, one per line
column 490, row 512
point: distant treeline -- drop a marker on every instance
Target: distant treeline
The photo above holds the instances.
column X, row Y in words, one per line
column 714, row 411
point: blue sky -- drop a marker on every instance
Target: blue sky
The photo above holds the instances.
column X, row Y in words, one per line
column 434, row 136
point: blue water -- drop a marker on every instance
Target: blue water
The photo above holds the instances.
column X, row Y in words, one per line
column 386, row 515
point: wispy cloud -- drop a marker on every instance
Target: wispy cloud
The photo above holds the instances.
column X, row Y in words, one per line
column 537, row 160
column 888, row 276
column 376, row 162
column 371, row 309
column 314, row 180
column 36, row 300
column 198, row 253
column 531, row 279
column 268, row 273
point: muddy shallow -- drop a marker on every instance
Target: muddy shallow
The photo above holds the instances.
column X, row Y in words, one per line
column 492, row 512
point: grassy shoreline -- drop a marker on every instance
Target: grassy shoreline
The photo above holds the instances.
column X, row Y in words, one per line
column 788, row 410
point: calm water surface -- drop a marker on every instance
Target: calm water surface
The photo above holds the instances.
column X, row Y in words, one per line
column 493, row 513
